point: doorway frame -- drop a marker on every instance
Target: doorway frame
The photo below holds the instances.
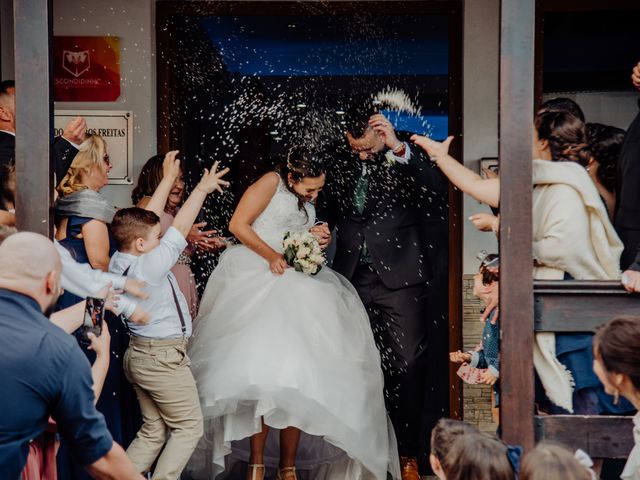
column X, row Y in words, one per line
column 168, row 137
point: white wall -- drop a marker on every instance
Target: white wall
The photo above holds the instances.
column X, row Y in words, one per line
column 480, row 110
column 133, row 22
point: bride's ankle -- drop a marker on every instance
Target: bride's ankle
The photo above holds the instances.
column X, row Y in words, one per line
column 256, row 471
column 286, row 473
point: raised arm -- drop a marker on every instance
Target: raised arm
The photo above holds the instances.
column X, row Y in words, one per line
column 210, row 181
column 484, row 190
column 170, row 171
column 251, row 205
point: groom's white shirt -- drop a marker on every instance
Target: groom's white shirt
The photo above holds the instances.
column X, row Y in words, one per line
column 154, row 268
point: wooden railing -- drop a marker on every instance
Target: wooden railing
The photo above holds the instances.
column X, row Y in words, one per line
column 581, row 306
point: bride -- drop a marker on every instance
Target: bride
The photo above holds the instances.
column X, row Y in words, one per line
column 275, row 349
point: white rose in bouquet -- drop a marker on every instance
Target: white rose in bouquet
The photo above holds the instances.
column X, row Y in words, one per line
column 302, row 252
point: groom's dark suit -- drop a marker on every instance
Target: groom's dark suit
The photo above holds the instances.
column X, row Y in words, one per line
column 381, row 247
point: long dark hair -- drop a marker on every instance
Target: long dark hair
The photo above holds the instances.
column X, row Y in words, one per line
column 566, row 134
column 149, row 179
column 300, row 164
column 605, row 143
column 617, row 345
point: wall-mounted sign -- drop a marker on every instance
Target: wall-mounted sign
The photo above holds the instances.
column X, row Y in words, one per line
column 86, row 69
column 489, row 167
column 116, row 127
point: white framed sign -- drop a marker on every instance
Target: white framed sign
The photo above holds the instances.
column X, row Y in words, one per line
column 116, row 127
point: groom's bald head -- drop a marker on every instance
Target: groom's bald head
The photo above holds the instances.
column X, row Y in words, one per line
column 30, row 264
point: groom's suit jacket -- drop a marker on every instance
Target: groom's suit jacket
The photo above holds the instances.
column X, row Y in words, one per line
column 393, row 220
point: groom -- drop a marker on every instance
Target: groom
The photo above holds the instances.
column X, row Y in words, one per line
column 377, row 191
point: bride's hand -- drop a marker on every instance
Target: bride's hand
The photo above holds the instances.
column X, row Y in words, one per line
column 277, row 264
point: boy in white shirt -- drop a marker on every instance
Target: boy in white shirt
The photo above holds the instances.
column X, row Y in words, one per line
column 156, row 362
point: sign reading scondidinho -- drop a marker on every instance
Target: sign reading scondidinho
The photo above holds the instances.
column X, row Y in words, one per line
column 116, row 127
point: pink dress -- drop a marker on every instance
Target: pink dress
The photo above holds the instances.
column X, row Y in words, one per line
column 182, row 269
column 41, row 462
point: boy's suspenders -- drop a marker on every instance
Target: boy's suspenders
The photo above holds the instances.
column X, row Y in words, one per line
column 175, row 299
column 183, row 325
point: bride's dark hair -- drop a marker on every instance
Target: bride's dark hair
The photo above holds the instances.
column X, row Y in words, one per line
column 299, row 164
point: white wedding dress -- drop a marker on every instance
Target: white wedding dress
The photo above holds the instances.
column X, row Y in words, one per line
column 295, row 349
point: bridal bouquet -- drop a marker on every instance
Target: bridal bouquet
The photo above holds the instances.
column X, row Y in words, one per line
column 302, row 252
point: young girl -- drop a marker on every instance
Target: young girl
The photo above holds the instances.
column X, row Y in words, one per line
column 553, row 462
column 486, row 356
column 443, row 435
column 477, row 456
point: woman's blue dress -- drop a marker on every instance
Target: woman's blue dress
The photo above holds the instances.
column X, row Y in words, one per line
column 118, row 402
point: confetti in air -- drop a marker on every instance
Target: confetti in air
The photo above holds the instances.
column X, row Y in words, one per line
column 397, row 100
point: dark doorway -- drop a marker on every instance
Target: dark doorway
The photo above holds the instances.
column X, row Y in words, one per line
column 241, row 82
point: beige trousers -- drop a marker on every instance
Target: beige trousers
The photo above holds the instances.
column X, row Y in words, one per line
column 160, row 374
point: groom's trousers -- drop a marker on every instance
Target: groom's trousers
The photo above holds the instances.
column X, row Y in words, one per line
column 401, row 330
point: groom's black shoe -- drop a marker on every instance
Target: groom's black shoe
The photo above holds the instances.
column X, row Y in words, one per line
column 409, row 468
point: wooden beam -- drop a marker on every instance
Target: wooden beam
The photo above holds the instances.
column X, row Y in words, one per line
column 34, row 115
column 516, row 294
column 579, row 306
column 599, row 436
column 456, row 409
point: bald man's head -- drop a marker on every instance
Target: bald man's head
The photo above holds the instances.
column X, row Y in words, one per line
column 30, row 264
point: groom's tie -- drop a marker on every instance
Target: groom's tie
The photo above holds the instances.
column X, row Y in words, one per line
column 360, row 193
column 359, row 201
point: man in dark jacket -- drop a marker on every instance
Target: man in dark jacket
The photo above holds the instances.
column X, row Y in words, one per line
column 627, row 214
column 375, row 196
column 65, row 147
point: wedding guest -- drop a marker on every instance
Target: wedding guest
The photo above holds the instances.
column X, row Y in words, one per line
column 42, row 370
column 166, row 390
column 82, row 218
column 148, row 181
column 476, row 456
column 617, row 364
column 548, row 461
column 82, row 214
column 627, row 214
column 443, row 435
column 376, row 192
column 65, row 147
column 83, row 281
column 605, row 143
column 487, row 355
column 573, row 239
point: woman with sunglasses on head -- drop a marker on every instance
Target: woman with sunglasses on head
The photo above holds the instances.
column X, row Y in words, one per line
column 83, row 216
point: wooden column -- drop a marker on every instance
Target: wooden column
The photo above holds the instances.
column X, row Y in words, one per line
column 34, row 115
column 516, row 295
